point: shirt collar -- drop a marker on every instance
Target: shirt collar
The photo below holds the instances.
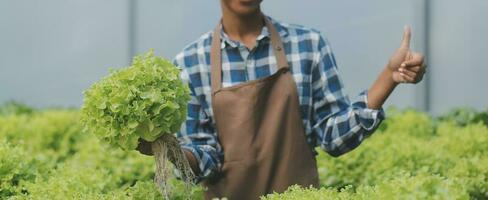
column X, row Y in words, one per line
column 227, row 42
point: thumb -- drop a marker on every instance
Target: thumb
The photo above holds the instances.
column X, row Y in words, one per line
column 407, row 35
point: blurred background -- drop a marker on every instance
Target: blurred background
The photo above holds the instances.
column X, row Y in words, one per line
column 51, row 50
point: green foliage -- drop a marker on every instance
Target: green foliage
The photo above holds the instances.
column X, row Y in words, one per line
column 465, row 116
column 14, row 108
column 144, row 100
column 14, row 169
column 45, row 155
column 71, row 181
column 443, row 159
column 49, row 136
column 402, row 186
column 147, row 190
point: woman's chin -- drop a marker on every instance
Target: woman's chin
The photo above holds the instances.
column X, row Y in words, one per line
column 244, row 7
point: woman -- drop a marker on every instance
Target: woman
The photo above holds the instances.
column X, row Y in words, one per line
column 264, row 94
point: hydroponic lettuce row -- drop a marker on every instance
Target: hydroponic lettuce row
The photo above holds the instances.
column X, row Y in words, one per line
column 412, row 156
column 147, row 101
column 45, row 155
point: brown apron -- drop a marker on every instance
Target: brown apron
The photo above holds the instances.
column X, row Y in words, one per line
column 260, row 129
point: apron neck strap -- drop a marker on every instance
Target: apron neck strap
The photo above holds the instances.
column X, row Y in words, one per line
column 216, row 53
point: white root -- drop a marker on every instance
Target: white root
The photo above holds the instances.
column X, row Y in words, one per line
column 167, row 148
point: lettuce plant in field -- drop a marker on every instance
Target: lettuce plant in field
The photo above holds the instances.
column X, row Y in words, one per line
column 146, row 100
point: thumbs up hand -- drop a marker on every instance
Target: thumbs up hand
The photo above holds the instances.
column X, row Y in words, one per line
column 407, row 66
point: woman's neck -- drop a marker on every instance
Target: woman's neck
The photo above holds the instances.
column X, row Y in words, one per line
column 244, row 29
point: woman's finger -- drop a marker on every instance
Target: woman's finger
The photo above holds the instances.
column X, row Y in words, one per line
column 144, row 147
column 416, row 59
column 408, row 72
column 407, row 78
column 415, row 69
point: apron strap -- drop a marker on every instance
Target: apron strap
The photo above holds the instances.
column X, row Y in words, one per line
column 277, row 44
column 216, row 53
column 216, row 60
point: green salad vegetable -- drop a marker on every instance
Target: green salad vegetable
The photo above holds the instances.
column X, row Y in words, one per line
column 144, row 101
column 147, row 101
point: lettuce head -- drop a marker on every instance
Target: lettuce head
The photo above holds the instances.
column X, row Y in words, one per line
column 144, row 100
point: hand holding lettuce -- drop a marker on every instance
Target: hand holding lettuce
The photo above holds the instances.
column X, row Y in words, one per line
column 145, row 101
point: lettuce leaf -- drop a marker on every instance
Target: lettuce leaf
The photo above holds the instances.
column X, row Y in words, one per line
column 144, row 100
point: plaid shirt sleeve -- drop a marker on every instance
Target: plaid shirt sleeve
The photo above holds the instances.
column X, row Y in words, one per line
column 198, row 134
column 338, row 125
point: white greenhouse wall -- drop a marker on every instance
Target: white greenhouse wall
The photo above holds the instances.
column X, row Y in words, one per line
column 51, row 50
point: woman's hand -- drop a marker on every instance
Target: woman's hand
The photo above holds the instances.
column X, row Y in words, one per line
column 404, row 66
column 407, row 66
column 144, row 147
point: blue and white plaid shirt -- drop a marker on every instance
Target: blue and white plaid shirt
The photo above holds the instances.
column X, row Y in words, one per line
column 330, row 120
